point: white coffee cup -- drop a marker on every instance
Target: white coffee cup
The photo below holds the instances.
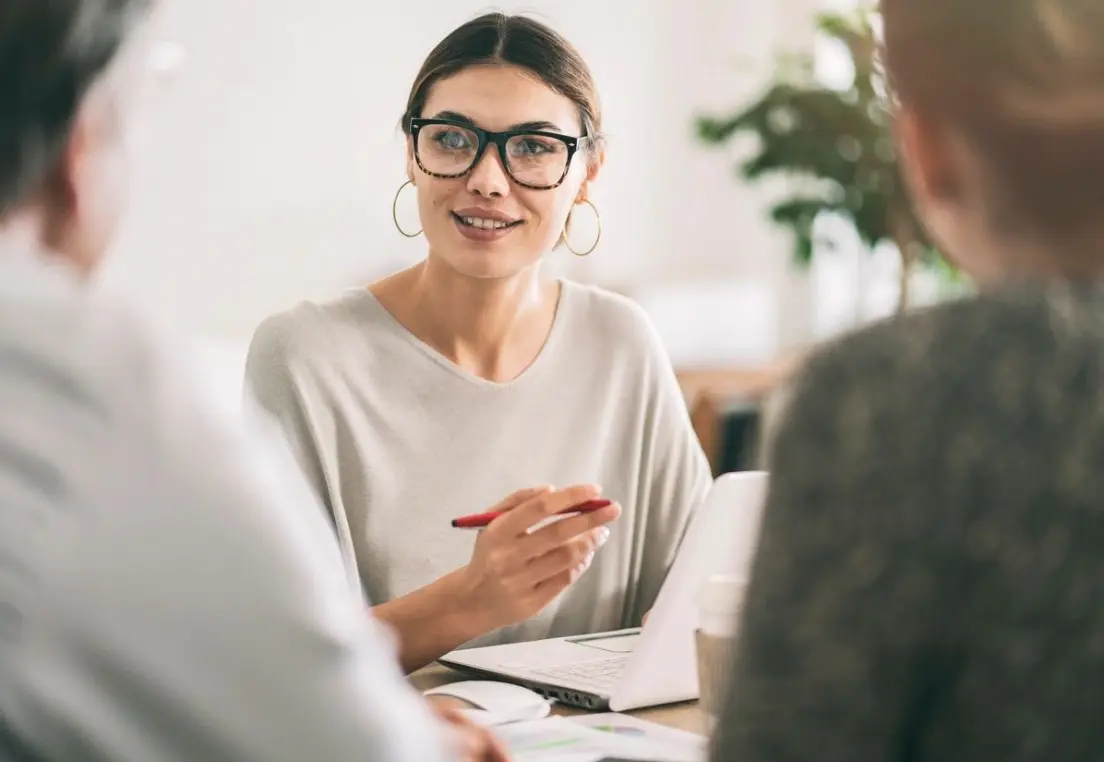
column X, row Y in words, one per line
column 719, row 603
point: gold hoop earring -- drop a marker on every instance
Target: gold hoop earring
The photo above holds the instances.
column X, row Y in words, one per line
column 395, row 211
column 597, row 238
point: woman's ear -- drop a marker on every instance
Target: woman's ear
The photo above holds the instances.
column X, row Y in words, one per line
column 594, row 166
column 411, row 163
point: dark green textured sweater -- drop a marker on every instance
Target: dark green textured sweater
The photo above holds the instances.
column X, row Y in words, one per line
column 930, row 578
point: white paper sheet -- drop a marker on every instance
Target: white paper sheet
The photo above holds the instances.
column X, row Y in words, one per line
column 666, row 743
column 558, row 739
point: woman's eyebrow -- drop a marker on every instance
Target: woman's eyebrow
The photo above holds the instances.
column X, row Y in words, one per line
column 536, row 126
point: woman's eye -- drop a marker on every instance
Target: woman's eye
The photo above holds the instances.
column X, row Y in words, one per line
column 531, row 147
column 452, row 139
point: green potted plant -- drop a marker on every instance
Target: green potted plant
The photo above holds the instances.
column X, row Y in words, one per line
column 839, row 138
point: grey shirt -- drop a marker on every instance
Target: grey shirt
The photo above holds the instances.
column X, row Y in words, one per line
column 399, row 440
column 929, row 583
column 168, row 588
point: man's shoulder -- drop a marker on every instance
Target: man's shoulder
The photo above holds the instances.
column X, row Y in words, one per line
column 82, row 391
column 91, row 384
column 73, row 350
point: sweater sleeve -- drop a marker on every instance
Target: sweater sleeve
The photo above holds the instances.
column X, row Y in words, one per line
column 836, row 646
column 280, row 390
column 675, row 481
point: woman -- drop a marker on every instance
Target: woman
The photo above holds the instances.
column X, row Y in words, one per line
column 928, row 583
column 443, row 388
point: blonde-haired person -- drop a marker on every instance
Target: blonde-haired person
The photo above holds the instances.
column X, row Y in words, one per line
column 446, row 388
column 929, row 580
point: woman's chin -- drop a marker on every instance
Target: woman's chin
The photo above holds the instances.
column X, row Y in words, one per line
column 485, row 267
column 488, row 262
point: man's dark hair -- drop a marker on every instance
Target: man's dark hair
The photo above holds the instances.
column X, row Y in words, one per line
column 51, row 53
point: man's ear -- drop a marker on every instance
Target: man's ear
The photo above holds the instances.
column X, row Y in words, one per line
column 64, row 178
column 60, row 191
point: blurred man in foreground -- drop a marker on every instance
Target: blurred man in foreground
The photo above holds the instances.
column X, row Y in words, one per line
column 167, row 591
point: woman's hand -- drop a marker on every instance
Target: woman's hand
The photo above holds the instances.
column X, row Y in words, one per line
column 515, row 572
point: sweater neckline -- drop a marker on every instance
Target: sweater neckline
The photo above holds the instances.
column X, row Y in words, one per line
column 563, row 308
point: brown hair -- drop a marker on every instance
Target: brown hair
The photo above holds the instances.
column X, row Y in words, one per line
column 497, row 39
column 1024, row 80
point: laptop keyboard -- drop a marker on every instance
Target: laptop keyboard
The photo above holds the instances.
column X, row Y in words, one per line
column 598, row 675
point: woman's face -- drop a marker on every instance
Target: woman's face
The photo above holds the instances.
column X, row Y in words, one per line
column 486, row 224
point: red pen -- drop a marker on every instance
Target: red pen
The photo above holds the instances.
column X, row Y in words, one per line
column 480, row 520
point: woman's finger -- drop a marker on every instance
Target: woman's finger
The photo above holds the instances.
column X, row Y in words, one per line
column 567, row 556
column 554, row 585
column 541, row 507
column 520, row 497
column 564, row 531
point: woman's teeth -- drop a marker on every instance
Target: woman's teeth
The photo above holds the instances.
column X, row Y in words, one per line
column 479, row 222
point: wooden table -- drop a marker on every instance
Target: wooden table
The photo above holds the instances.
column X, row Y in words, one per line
column 679, row 716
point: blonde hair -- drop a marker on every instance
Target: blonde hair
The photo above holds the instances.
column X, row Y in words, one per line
column 1066, row 89
column 1025, row 80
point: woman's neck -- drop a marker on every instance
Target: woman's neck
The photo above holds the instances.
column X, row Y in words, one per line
column 492, row 328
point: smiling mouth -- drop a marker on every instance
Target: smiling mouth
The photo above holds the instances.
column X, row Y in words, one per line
column 481, row 223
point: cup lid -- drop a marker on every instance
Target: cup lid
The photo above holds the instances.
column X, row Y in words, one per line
column 723, row 593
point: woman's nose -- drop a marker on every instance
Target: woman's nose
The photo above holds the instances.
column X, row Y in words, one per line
column 489, row 176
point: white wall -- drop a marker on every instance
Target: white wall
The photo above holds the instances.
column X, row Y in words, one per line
column 273, row 158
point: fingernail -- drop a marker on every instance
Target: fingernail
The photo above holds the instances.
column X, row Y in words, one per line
column 603, row 535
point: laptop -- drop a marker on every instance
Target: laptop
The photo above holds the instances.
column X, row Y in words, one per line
column 643, row 666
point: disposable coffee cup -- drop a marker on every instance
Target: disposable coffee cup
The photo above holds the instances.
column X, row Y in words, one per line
column 719, row 605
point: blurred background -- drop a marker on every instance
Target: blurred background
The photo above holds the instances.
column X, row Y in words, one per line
column 273, row 155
